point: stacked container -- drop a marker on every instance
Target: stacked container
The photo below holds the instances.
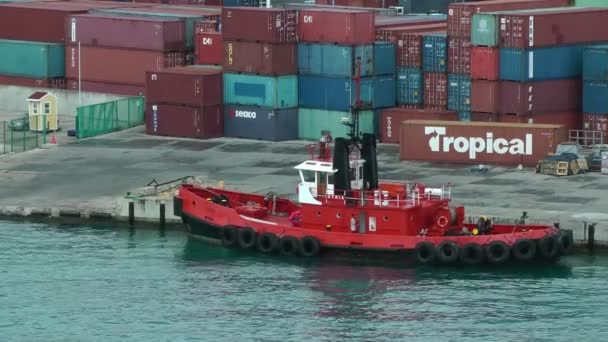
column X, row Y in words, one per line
column 208, row 43
column 260, row 73
column 331, row 42
column 595, row 90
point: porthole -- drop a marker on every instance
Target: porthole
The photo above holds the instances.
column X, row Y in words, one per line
column 338, row 215
column 318, row 213
column 193, row 202
column 385, row 218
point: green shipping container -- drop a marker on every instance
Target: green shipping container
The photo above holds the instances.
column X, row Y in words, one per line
column 590, row 3
column 485, row 29
column 312, row 121
column 257, row 90
column 32, row 59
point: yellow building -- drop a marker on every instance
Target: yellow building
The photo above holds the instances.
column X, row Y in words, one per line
column 42, row 107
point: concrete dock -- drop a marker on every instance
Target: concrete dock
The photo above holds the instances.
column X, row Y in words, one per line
column 90, row 178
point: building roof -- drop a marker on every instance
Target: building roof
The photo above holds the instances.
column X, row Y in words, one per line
column 314, row 165
column 37, row 95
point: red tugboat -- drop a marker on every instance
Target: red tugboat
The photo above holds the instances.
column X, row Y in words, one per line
column 344, row 207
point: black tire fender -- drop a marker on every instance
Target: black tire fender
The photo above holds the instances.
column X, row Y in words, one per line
column 549, row 247
column 288, row 246
column 425, row 252
column 566, row 241
column 472, row 254
column 309, row 246
column 524, row 250
column 448, row 252
column 229, row 236
column 247, row 237
column 497, row 252
column 267, row 242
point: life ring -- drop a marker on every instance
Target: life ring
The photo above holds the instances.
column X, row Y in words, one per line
column 566, row 241
column 229, row 236
column 295, row 217
column 548, row 247
column 447, row 252
column 471, row 254
column 425, row 252
column 524, row 250
column 442, row 221
column 497, row 252
column 288, row 246
column 309, row 246
column 267, row 242
column 246, row 237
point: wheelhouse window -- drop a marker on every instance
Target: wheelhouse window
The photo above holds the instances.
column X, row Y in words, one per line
column 330, row 178
column 309, row 176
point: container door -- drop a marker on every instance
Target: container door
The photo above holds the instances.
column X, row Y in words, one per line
column 362, row 223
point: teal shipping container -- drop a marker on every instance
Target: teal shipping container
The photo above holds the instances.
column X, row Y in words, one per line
column 312, row 121
column 32, row 59
column 590, row 3
column 541, row 64
column 459, row 92
column 434, row 53
column 335, row 60
column 595, row 63
column 595, row 97
column 485, row 29
column 264, row 91
column 190, row 19
column 409, row 86
column 464, row 116
column 338, row 93
column 384, row 58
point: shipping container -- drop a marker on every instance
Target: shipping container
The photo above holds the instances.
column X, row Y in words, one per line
column 391, row 118
column 20, row 81
column 409, row 86
column 539, row 97
column 595, row 97
column 206, row 26
column 553, row 27
column 485, row 96
column 184, row 121
column 261, row 58
column 335, row 60
column 459, row 92
column 590, row 3
column 460, row 14
column 383, row 21
column 595, row 63
column 570, row 120
column 209, row 48
column 483, row 117
column 262, row 123
column 32, row 59
column 125, row 32
column 338, row 93
column 192, row 86
column 464, row 116
column 336, row 26
column 485, row 29
column 435, row 89
column 312, row 121
column 45, row 21
column 541, row 64
column 271, row 25
column 596, row 122
column 434, row 53
column 106, row 87
column 127, row 66
column 394, row 34
column 478, row 142
column 384, row 58
column 263, row 91
column 459, row 55
column 485, row 63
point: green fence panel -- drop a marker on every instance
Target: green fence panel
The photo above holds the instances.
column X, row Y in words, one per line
column 102, row 118
column 16, row 136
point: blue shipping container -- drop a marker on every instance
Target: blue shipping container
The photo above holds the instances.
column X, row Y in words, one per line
column 409, row 86
column 595, row 63
column 541, row 64
column 384, row 58
column 459, row 92
column 334, row 60
column 595, row 97
column 263, row 123
column 434, row 53
column 464, row 116
column 337, row 93
column 263, row 91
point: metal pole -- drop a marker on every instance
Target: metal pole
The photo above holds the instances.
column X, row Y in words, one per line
column 79, row 78
column 162, row 215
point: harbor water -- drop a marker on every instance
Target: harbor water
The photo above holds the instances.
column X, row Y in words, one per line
column 62, row 282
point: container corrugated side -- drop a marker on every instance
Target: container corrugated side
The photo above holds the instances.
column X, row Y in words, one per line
column 264, row 91
column 390, row 119
column 596, row 122
column 270, row 25
column 260, row 58
column 409, row 86
column 541, row 64
column 485, row 29
column 434, row 53
column 485, row 96
column 459, row 55
column 251, row 122
column 595, row 63
column 590, row 3
column 384, row 58
column 335, row 60
column 485, row 63
column 595, row 97
column 435, row 89
column 32, row 59
column 185, row 86
column 459, row 92
column 540, row 97
column 184, row 121
column 312, row 121
column 336, row 26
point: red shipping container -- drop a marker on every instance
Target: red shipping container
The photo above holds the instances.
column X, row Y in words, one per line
column 595, row 122
column 461, row 14
column 184, row 121
column 208, row 13
column 205, row 26
column 483, row 117
column 261, row 58
column 192, row 86
column 459, row 55
column 352, row 3
column 106, row 88
column 392, row 34
column 538, row 97
column 485, row 96
column 436, row 89
column 127, row 32
column 380, row 3
column 209, row 48
column 485, row 63
column 127, row 66
column 383, row 22
column 391, row 117
column 336, row 26
column 570, row 120
column 552, row 28
column 45, row 21
column 270, row 25
column 478, row 142
column 52, row 83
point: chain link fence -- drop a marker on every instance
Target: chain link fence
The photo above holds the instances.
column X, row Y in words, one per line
column 15, row 136
column 107, row 117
